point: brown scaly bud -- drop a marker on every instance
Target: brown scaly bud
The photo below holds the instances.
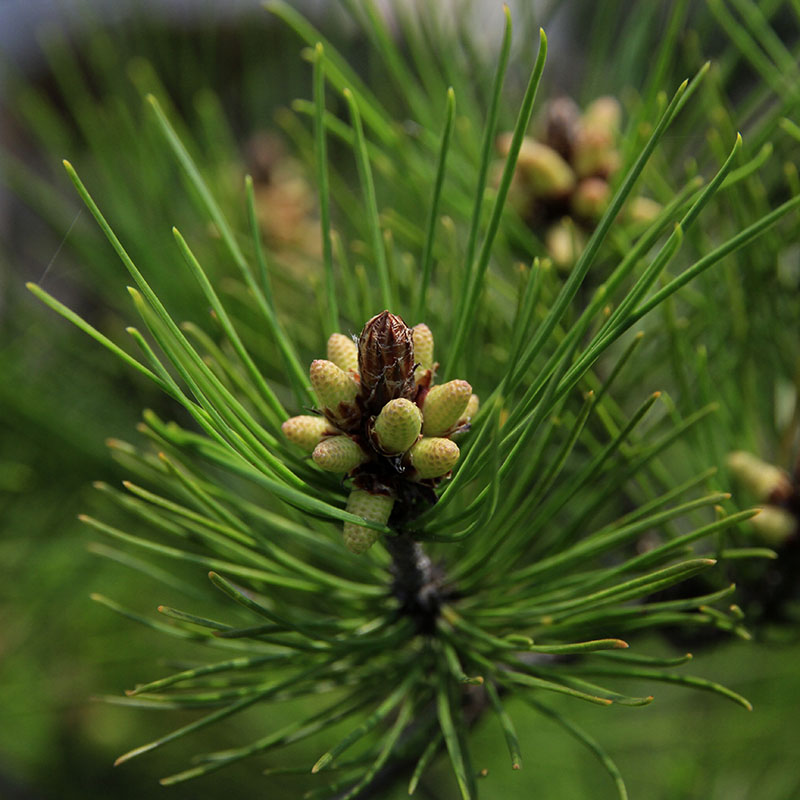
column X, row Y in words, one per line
column 306, row 431
column 561, row 125
column 385, row 361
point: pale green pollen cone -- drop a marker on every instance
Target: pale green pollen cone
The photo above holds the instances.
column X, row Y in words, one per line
column 338, row 454
column 761, row 478
column 306, row 431
column 444, row 406
column 332, row 384
column 642, row 209
column 423, row 346
column 343, row 352
column 469, row 412
column 595, row 151
column 591, row 198
column 774, row 525
column 433, row 457
column 545, row 171
column 564, row 243
column 372, row 507
column 603, row 114
column 398, row 425
column 473, row 405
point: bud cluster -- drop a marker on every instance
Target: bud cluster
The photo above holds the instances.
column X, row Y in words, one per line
column 779, row 520
column 382, row 421
column 562, row 182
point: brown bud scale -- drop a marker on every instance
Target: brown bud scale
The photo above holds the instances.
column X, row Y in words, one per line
column 385, row 361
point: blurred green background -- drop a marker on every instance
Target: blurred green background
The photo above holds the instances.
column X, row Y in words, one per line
column 74, row 75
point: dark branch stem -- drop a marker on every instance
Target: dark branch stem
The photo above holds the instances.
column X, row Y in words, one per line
column 417, row 581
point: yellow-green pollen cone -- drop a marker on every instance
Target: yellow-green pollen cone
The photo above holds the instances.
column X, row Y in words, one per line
column 338, row 454
column 398, row 425
column 469, row 412
column 444, row 406
column 603, row 115
column 372, row 507
column 591, row 198
column 774, row 525
column 472, row 407
column 544, row 170
column 764, row 480
column 642, row 210
column 306, row 431
column 433, row 457
column 423, row 350
column 343, row 352
column 595, row 151
column 332, row 385
column 564, row 243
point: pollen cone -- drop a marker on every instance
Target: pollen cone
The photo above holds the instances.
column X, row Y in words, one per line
column 444, row 406
column 338, row 454
column 306, row 431
column 433, row 457
column 375, row 508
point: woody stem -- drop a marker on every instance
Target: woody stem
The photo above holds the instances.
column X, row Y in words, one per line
column 417, row 581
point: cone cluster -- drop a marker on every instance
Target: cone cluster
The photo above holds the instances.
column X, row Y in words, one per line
column 562, row 181
column 382, row 421
column 779, row 519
